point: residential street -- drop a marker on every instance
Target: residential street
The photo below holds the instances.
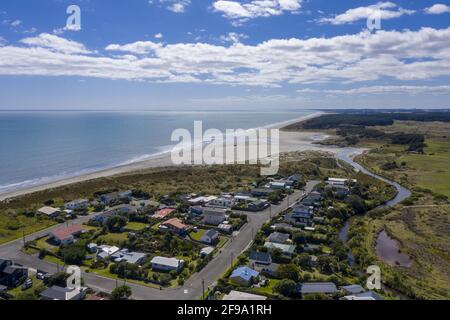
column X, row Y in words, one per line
column 192, row 289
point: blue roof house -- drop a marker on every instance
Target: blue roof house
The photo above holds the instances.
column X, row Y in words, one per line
column 244, row 276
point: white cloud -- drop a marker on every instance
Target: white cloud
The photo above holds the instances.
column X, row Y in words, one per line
column 55, row 43
column 233, row 37
column 397, row 55
column 140, row 47
column 177, row 6
column 394, row 89
column 241, row 12
column 438, row 8
column 385, row 10
column 158, row 36
column 16, row 23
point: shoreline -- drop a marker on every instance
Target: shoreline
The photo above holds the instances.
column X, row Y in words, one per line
column 289, row 142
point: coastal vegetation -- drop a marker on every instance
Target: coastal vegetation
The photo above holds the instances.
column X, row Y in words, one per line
column 18, row 216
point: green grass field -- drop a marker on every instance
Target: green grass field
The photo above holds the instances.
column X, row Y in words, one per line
column 432, row 170
column 135, row 226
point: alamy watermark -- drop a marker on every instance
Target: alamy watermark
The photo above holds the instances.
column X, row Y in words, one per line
column 374, row 20
column 74, row 20
column 234, row 146
column 374, row 280
column 74, row 279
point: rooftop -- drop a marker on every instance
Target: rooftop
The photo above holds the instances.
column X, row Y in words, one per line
column 172, row 262
column 245, row 273
column 237, row 295
column 176, row 223
column 66, row 232
column 317, row 287
column 48, row 210
column 160, row 214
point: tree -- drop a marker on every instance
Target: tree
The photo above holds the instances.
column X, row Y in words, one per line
column 288, row 271
column 357, row 204
column 286, row 287
column 116, row 223
column 58, row 279
column 74, row 253
column 121, row 293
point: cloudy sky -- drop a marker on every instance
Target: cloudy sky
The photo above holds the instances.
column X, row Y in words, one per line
column 156, row 54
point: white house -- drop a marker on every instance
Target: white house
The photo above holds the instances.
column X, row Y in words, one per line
column 222, row 202
column 106, row 251
column 167, row 264
column 210, row 237
column 63, row 294
column 49, row 212
column 79, row 204
column 339, row 181
column 213, row 216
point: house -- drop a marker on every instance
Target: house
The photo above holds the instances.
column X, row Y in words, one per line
column 49, row 212
column 257, row 205
column 277, row 185
column 144, row 206
column 206, row 251
column 102, row 217
column 213, row 216
column 225, row 228
column 66, row 235
column 201, row 200
column 161, row 214
column 222, row 202
column 340, row 191
column 369, row 295
column 64, row 294
column 353, row 289
column 105, row 251
column 128, row 256
column 300, row 215
column 167, row 264
column 339, row 181
column 262, row 192
column 125, row 195
column 260, row 258
column 11, row 275
column 278, row 237
column 196, row 211
column 175, row 225
column 109, row 198
column 244, row 276
column 237, row 295
column 316, row 287
column 316, row 195
column 269, row 270
column 79, row 204
column 210, row 237
column 92, row 247
column 295, row 177
column 286, row 249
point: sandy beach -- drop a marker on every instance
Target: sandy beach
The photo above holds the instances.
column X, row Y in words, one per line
column 289, row 142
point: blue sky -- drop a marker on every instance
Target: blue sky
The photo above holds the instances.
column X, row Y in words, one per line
column 256, row 54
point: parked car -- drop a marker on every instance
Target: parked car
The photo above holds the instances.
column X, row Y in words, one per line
column 27, row 284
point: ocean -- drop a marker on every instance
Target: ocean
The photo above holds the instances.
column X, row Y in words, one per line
column 38, row 147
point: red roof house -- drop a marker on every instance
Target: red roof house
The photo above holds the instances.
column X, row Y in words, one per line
column 161, row 214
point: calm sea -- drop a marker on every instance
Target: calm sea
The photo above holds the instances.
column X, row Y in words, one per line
column 40, row 147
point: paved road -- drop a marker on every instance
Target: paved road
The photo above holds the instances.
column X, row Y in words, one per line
column 193, row 287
